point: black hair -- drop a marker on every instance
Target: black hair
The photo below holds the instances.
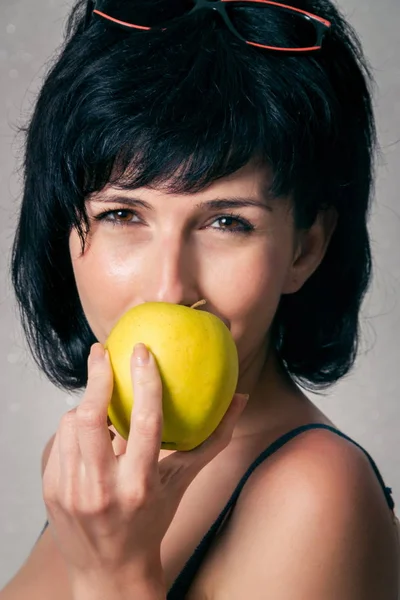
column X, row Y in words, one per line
column 181, row 108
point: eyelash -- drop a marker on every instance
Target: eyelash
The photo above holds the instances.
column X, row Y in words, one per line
column 245, row 227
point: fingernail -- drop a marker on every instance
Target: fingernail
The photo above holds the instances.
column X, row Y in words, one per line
column 141, row 355
column 97, row 353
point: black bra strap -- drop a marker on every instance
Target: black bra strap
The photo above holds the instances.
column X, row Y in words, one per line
column 181, row 583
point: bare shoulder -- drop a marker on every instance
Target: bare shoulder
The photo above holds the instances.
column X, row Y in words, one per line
column 323, row 468
column 312, row 521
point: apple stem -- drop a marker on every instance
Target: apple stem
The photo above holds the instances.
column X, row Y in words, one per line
column 199, row 303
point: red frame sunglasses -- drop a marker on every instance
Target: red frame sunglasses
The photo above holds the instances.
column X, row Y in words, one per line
column 321, row 25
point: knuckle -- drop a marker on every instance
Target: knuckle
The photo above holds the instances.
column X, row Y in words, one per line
column 70, row 503
column 68, row 418
column 136, row 497
column 71, row 500
column 148, row 425
column 98, row 505
column 49, row 493
column 46, row 453
column 89, row 417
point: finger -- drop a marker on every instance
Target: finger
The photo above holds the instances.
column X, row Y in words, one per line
column 225, row 428
column 69, row 453
column 91, row 415
column 51, row 474
column 144, row 441
column 197, row 458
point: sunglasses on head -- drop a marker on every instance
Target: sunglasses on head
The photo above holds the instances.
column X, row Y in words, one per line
column 260, row 23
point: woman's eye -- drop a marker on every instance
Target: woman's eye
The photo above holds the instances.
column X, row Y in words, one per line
column 226, row 221
column 117, row 217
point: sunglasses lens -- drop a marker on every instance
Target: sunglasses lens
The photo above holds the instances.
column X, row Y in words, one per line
column 145, row 13
column 272, row 25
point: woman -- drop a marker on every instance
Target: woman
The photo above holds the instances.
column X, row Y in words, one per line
column 227, row 155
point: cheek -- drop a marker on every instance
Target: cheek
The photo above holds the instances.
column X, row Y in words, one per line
column 251, row 290
column 102, row 281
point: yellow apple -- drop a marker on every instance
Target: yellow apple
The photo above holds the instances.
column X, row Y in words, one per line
column 198, row 363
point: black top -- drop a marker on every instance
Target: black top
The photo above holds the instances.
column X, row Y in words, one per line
column 182, row 583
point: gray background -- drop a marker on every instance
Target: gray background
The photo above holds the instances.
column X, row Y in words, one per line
column 365, row 405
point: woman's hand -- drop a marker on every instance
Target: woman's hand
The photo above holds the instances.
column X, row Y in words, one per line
column 109, row 513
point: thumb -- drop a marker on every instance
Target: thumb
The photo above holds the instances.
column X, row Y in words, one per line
column 183, row 467
column 194, row 460
column 223, row 432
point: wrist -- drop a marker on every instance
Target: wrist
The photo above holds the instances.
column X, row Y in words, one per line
column 119, row 587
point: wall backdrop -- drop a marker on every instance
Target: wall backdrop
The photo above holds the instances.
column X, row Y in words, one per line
column 365, row 405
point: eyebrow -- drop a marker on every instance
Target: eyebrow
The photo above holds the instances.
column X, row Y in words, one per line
column 215, row 204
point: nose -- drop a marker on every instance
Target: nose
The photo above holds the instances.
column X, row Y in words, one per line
column 172, row 273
